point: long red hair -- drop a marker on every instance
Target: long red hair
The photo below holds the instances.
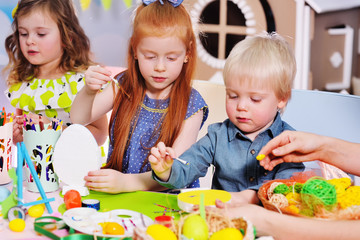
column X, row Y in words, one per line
column 159, row 21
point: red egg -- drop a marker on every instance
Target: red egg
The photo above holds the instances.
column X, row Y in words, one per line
column 72, row 199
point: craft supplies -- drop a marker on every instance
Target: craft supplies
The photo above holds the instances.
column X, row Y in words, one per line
column 6, row 141
column 38, row 125
column 90, row 221
column 36, row 211
column 72, row 199
column 180, row 160
column 318, row 193
column 5, row 117
column 160, row 232
column 75, row 154
column 114, row 80
column 187, row 200
column 165, row 220
column 17, row 225
column 260, row 157
column 91, row 203
column 195, row 227
column 22, row 155
column 315, row 197
column 227, row 233
column 112, row 228
column 17, row 212
column 40, row 146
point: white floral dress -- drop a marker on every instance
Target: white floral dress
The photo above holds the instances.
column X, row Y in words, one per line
column 48, row 97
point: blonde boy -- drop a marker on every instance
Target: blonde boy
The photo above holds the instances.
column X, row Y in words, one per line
column 258, row 76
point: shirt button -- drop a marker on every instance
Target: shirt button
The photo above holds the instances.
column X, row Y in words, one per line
column 252, row 151
column 265, row 173
column 251, row 179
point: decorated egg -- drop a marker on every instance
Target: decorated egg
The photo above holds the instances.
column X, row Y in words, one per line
column 113, row 228
column 17, row 225
column 36, row 211
column 42, row 204
column 72, row 199
column 160, row 232
column 228, row 234
column 195, row 227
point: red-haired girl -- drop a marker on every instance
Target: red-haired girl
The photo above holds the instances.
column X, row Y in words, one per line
column 152, row 102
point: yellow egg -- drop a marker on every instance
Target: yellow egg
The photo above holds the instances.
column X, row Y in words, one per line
column 17, row 225
column 195, row 227
column 228, row 234
column 36, row 211
column 113, row 228
column 42, row 204
column 160, row 232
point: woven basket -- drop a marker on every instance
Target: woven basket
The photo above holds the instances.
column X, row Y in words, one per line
column 336, row 214
column 263, row 196
column 239, row 223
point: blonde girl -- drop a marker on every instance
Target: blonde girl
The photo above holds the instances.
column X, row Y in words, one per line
column 153, row 100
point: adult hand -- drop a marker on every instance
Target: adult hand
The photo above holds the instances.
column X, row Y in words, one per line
column 292, row 146
column 232, row 210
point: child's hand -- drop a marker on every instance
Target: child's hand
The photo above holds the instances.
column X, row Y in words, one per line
column 161, row 160
column 105, row 180
column 95, row 78
column 18, row 124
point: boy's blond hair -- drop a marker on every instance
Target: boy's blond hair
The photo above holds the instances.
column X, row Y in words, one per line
column 264, row 60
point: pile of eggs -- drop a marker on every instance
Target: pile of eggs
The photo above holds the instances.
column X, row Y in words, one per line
column 194, row 227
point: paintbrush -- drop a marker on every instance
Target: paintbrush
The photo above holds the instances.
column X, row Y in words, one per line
column 180, row 160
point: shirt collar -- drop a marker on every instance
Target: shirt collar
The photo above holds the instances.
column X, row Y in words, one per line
column 274, row 130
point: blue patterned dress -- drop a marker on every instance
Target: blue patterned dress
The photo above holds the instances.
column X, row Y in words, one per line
column 142, row 140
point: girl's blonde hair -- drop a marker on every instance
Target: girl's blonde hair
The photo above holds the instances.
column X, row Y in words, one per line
column 155, row 20
column 75, row 43
column 264, row 60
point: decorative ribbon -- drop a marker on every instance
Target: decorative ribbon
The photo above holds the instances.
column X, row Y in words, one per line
column 43, row 224
column 175, row 3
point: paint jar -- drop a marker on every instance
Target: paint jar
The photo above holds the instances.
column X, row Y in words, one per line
column 167, row 221
column 40, row 146
column 6, row 138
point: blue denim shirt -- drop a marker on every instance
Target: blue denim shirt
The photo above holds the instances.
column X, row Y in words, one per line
column 234, row 157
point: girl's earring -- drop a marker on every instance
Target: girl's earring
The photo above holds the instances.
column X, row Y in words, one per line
column 186, row 59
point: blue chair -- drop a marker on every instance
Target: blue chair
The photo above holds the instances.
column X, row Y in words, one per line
column 214, row 95
column 325, row 113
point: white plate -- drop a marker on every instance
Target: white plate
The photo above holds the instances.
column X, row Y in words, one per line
column 76, row 153
column 86, row 220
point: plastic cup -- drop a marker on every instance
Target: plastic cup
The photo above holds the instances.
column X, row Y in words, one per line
column 6, row 138
column 40, row 146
